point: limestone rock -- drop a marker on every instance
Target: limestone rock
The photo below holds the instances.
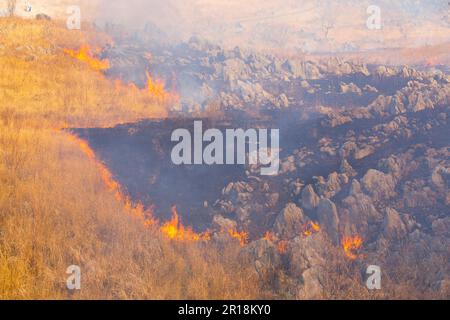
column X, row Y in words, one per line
column 309, row 198
column 329, row 219
column 289, row 221
column 393, row 226
column 379, row 185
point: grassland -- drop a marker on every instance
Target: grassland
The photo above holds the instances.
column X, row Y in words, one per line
column 55, row 209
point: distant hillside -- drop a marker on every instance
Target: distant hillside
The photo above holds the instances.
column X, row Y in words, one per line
column 306, row 25
column 426, row 56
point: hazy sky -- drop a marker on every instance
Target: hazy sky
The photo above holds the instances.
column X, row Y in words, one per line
column 311, row 25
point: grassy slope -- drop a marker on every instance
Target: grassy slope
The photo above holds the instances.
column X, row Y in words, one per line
column 54, row 208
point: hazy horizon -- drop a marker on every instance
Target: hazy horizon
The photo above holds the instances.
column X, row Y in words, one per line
column 306, row 25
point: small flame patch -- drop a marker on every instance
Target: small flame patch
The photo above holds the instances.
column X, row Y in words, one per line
column 84, row 54
column 351, row 245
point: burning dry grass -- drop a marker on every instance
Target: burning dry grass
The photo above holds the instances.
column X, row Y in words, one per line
column 84, row 54
column 175, row 230
column 55, row 208
column 351, row 245
column 56, row 212
column 40, row 80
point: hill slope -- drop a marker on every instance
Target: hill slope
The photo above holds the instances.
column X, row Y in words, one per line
column 55, row 209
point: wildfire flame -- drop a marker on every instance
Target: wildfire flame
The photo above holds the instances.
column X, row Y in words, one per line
column 137, row 211
column 351, row 245
column 241, row 236
column 315, row 226
column 156, row 89
column 269, row 236
column 282, row 246
column 310, row 228
column 174, row 230
column 84, row 54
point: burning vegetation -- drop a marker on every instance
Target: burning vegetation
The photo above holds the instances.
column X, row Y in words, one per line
column 269, row 236
column 60, row 205
column 154, row 89
column 84, row 54
column 241, row 236
column 351, row 245
column 276, row 234
column 174, row 230
column 310, row 228
column 145, row 216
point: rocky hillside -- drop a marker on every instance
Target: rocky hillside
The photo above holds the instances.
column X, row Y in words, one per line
column 364, row 175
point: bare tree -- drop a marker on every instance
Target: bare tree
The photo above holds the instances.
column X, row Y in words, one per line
column 11, row 7
column 326, row 27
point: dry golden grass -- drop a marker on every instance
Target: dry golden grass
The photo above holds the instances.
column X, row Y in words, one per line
column 55, row 210
column 41, row 82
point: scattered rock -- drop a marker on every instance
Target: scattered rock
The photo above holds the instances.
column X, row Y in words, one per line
column 329, row 219
column 288, row 223
column 310, row 199
column 393, row 226
column 379, row 185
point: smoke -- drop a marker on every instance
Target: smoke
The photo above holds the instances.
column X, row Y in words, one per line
column 309, row 25
column 170, row 17
column 306, row 25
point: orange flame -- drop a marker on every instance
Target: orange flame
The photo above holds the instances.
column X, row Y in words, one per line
column 310, row 228
column 282, row 246
column 156, row 89
column 137, row 211
column 241, row 236
column 351, row 245
column 269, row 236
column 174, row 230
column 84, row 54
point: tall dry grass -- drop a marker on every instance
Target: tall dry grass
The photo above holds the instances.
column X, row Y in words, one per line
column 55, row 210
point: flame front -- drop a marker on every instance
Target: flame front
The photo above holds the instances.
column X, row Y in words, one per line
column 156, row 89
column 173, row 229
column 310, row 228
column 153, row 92
column 241, row 236
column 351, row 245
column 84, row 54
column 269, row 236
column 137, row 211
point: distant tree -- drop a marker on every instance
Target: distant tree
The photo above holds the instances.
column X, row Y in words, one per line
column 326, row 27
column 11, row 7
